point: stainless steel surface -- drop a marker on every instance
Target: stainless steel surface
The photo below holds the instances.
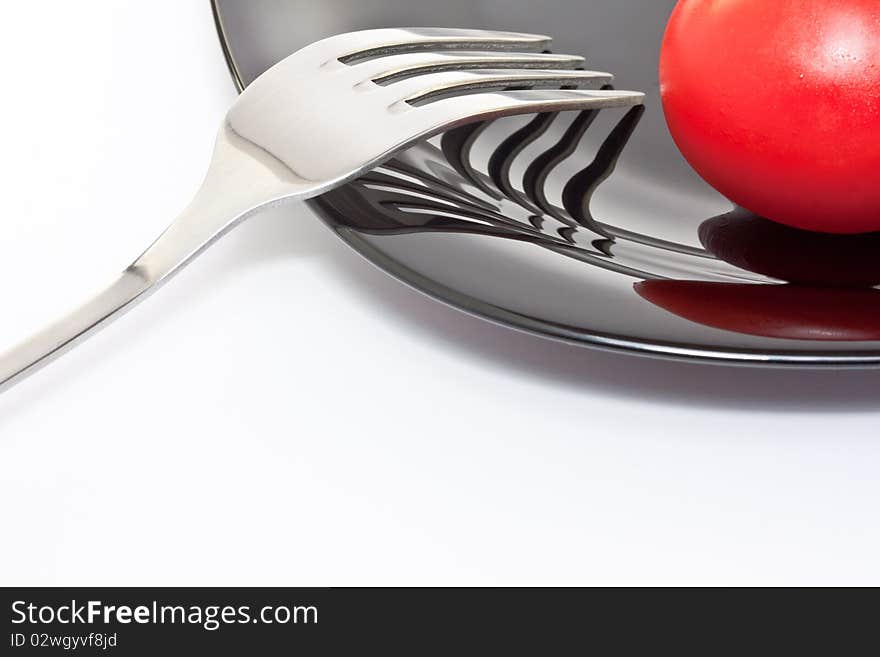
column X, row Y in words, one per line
column 325, row 115
column 537, row 225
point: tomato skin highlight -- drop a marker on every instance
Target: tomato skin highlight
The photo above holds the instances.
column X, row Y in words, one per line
column 776, row 104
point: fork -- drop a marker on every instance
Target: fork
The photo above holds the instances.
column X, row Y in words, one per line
column 321, row 117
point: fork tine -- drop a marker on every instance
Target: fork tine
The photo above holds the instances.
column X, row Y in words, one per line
column 386, row 70
column 450, row 112
column 366, row 44
column 428, row 88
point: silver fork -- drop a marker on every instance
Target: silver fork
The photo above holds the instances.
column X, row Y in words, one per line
column 325, row 115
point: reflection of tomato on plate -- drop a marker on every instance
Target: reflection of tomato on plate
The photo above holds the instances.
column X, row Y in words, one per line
column 776, row 103
column 775, row 311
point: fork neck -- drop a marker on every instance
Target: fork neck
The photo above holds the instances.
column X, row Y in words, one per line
column 242, row 179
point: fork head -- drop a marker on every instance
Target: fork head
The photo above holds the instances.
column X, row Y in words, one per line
column 340, row 106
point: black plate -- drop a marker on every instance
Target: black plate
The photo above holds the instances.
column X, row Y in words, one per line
column 535, row 222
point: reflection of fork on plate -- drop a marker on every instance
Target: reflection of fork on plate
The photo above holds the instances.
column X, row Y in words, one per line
column 827, row 297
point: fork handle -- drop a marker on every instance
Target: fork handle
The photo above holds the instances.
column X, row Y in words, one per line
column 241, row 180
column 55, row 339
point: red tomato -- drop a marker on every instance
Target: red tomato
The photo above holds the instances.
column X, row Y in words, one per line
column 776, row 103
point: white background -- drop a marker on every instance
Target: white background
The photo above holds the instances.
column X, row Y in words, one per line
column 284, row 414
